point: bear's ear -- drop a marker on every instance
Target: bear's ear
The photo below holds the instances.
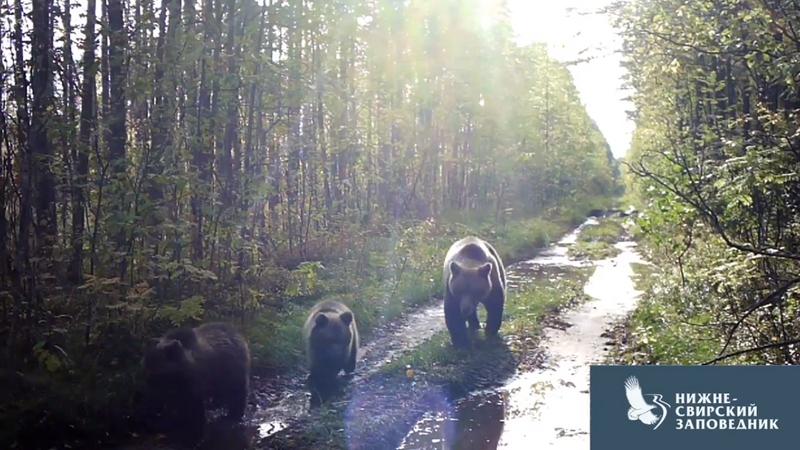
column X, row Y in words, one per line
column 346, row 318
column 173, row 350
column 455, row 269
column 321, row 320
column 485, row 269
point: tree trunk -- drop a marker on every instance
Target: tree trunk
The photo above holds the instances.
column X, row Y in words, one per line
column 86, row 141
column 39, row 139
column 116, row 129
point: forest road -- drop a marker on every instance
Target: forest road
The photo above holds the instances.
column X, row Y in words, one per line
column 288, row 399
column 504, row 416
column 549, row 404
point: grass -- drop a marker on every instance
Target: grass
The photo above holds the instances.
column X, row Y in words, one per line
column 385, row 405
column 658, row 332
column 608, row 230
column 592, row 250
column 521, row 239
column 413, row 257
column 522, row 319
column 597, row 241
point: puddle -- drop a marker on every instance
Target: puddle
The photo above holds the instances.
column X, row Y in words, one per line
column 476, row 423
column 549, row 405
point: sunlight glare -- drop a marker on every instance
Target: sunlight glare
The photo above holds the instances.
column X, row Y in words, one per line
column 576, row 32
column 489, row 12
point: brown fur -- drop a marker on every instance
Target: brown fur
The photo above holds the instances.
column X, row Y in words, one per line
column 191, row 369
column 473, row 273
column 331, row 337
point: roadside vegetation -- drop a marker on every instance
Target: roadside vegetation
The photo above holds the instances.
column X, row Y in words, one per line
column 714, row 169
column 657, row 331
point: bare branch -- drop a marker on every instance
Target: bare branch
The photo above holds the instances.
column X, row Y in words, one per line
column 751, row 350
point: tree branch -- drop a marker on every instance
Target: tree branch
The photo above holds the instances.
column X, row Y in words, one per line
column 751, row 350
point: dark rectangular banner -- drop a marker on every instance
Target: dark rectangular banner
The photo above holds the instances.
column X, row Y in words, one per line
column 695, row 407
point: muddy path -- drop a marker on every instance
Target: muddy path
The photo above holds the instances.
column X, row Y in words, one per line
column 279, row 401
column 547, row 403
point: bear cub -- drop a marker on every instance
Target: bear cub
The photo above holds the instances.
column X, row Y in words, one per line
column 331, row 338
column 473, row 273
column 191, row 369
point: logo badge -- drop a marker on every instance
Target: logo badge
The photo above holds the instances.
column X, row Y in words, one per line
column 652, row 413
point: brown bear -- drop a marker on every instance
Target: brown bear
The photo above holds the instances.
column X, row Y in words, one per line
column 473, row 273
column 331, row 337
column 191, row 369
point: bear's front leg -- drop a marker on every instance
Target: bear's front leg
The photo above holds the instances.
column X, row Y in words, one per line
column 473, row 323
column 237, row 401
column 494, row 312
column 191, row 421
column 350, row 365
column 456, row 324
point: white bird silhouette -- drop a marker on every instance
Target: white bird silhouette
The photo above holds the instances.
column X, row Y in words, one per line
column 641, row 410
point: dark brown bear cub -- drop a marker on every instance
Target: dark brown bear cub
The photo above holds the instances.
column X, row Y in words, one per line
column 191, row 369
column 473, row 273
column 331, row 339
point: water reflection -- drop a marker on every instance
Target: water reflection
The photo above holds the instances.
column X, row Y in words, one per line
column 475, row 423
column 269, row 427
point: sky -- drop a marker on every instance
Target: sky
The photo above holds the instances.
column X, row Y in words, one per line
column 573, row 29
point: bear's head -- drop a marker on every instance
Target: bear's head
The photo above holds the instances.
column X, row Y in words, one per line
column 331, row 337
column 168, row 372
column 470, row 285
column 165, row 360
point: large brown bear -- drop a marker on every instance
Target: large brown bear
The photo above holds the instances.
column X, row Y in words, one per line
column 190, row 369
column 473, row 273
column 331, row 337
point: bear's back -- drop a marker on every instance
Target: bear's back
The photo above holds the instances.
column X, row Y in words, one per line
column 220, row 342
